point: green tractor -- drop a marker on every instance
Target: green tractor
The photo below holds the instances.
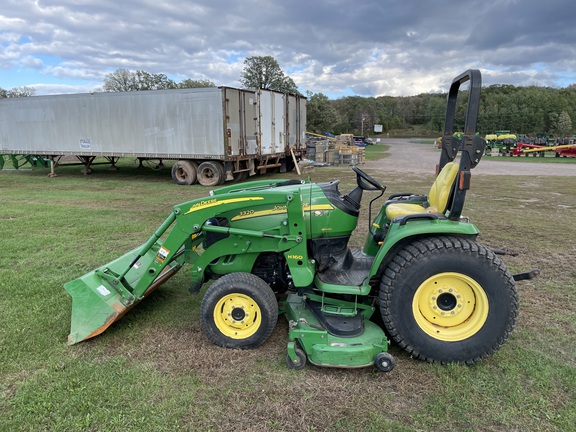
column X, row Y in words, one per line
column 282, row 247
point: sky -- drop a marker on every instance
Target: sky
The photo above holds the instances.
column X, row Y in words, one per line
column 335, row 47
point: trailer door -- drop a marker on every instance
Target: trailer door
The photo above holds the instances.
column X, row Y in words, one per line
column 272, row 132
column 233, row 117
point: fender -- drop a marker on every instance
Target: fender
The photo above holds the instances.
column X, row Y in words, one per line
column 401, row 230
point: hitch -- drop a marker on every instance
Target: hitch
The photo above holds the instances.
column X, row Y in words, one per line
column 531, row 274
column 526, row 275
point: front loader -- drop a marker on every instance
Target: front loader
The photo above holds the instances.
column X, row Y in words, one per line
column 283, row 245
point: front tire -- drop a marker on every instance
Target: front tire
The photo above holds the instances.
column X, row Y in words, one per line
column 239, row 310
column 448, row 299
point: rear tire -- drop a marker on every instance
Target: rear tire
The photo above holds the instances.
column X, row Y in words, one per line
column 448, row 299
column 210, row 173
column 239, row 310
column 184, row 172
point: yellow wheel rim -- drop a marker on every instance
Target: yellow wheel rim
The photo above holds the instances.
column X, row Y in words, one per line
column 450, row 306
column 237, row 316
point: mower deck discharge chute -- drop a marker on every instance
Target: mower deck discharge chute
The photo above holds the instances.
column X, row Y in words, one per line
column 282, row 246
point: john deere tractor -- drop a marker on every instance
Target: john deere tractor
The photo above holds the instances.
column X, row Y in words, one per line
column 281, row 246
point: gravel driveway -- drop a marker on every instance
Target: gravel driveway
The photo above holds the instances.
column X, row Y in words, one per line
column 406, row 156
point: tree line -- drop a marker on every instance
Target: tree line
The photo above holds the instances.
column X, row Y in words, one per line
column 17, row 92
column 521, row 110
column 261, row 72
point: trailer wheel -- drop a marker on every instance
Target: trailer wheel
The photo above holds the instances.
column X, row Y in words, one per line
column 239, row 310
column 184, row 172
column 240, row 176
column 448, row 299
column 222, row 172
column 290, row 165
column 210, row 173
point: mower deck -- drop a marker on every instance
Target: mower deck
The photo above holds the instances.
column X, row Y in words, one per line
column 353, row 341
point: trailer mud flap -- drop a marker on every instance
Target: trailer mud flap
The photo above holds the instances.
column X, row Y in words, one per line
column 97, row 304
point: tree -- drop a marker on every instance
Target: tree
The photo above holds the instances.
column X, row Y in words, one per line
column 321, row 116
column 564, row 124
column 148, row 81
column 263, row 72
column 435, row 112
column 190, row 83
column 118, row 81
column 552, row 125
column 24, row 91
column 124, row 80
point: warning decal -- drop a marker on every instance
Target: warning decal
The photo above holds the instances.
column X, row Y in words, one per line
column 162, row 254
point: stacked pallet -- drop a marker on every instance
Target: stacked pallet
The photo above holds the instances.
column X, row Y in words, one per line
column 334, row 153
column 325, row 153
column 349, row 155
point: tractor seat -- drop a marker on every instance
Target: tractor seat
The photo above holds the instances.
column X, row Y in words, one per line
column 438, row 196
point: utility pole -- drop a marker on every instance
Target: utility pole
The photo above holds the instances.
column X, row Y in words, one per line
column 362, row 124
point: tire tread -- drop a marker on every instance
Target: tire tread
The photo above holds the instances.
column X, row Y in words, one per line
column 419, row 250
column 243, row 281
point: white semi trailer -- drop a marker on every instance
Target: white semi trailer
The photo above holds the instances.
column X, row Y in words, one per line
column 214, row 134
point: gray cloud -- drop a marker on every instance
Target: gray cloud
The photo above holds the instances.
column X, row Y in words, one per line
column 331, row 46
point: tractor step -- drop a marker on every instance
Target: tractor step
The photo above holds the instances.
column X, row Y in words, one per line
column 348, row 268
column 344, row 277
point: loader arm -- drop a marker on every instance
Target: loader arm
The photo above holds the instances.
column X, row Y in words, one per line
column 104, row 295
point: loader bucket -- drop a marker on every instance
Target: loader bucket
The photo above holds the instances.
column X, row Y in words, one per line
column 96, row 304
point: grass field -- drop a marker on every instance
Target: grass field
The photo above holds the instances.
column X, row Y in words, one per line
column 154, row 370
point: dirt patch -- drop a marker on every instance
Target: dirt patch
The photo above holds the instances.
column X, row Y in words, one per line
column 255, row 389
column 413, row 158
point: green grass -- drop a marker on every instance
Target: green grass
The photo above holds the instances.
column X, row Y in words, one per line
column 376, row 152
column 155, row 370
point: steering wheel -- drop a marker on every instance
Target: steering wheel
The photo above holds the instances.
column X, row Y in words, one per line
column 362, row 178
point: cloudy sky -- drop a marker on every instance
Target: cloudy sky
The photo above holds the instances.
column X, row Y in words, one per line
column 335, row 47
